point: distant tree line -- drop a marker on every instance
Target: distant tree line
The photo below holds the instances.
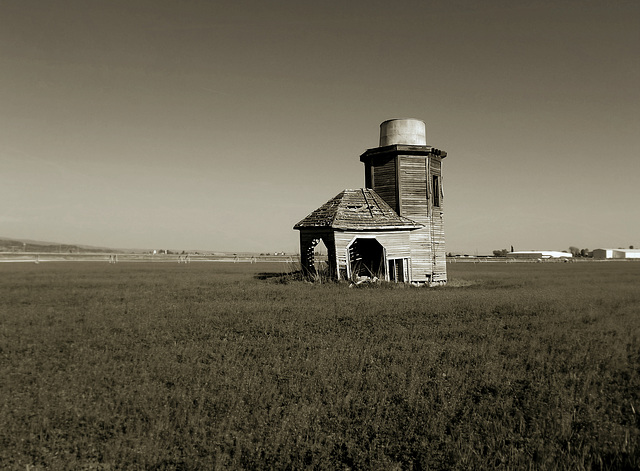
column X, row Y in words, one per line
column 576, row 252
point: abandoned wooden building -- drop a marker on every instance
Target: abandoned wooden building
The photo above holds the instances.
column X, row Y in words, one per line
column 393, row 228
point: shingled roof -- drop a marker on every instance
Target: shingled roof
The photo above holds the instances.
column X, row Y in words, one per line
column 361, row 209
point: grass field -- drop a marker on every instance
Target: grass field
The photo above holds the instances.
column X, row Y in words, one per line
column 204, row 366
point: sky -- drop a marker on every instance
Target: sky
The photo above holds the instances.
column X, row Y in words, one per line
column 217, row 125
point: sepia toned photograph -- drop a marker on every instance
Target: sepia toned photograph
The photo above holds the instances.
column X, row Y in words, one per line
column 294, row 235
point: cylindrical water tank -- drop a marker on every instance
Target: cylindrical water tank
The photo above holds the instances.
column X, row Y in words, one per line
column 409, row 131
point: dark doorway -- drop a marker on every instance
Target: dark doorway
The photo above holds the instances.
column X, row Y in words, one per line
column 366, row 258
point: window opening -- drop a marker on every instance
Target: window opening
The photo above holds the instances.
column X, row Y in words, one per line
column 436, row 190
column 398, row 270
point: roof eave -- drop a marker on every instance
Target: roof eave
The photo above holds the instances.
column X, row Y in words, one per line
column 376, row 228
column 402, row 149
column 340, row 227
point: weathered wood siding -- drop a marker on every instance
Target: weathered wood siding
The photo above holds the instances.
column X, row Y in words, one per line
column 414, row 173
column 413, row 187
column 404, row 177
column 383, row 180
column 421, row 255
column 437, row 223
column 417, row 203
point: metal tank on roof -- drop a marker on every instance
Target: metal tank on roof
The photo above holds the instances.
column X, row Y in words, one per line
column 406, row 131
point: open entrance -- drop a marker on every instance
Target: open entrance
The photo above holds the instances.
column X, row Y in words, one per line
column 317, row 255
column 320, row 253
column 366, row 258
column 398, row 270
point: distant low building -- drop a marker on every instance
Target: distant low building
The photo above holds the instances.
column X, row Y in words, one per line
column 603, row 254
column 538, row 254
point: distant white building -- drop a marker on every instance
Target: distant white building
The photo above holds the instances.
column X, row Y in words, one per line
column 603, row 254
column 538, row 254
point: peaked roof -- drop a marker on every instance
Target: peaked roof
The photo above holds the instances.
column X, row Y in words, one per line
column 361, row 209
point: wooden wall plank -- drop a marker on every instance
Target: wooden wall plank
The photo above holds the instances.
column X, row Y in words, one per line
column 384, row 180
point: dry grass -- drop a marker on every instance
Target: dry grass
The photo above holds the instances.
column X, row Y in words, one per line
column 168, row 366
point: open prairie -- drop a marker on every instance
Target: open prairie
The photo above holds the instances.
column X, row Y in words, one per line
column 211, row 365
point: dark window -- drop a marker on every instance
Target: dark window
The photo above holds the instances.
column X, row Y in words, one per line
column 436, row 190
column 398, row 270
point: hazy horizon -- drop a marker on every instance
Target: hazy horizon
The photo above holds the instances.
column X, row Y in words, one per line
column 219, row 125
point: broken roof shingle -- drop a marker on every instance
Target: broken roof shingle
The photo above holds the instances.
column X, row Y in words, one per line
column 361, row 209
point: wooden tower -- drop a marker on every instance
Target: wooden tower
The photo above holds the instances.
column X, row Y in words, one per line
column 407, row 174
